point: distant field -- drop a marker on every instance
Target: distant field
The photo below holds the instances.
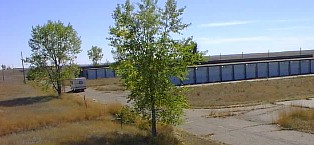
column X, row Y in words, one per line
column 106, row 85
column 30, row 116
column 240, row 93
column 13, row 86
column 251, row 92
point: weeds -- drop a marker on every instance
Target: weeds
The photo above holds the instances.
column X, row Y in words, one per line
column 110, row 88
column 250, row 92
column 52, row 113
column 71, row 120
column 301, row 119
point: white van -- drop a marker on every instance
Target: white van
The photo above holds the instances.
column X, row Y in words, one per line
column 78, row 84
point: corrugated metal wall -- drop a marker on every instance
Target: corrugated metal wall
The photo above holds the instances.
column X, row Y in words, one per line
column 227, row 72
column 97, row 73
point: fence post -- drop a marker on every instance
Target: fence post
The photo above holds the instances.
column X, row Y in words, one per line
column 194, row 73
column 256, row 70
column 310, row 66
column 300, row 69
column 233, row 75
column 220, row 73
column 96, row 73
column 289, row 67
column 3, row 74
column 207, row 74
column 105, row 71
column 279, row 73
column 267, row 69
column 245, row 74
column 87, row 75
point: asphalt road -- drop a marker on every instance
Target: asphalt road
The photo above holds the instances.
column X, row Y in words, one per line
column 237, row 126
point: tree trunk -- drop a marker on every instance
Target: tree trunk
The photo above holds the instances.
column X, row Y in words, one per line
column 59, row 88
column 154, row 130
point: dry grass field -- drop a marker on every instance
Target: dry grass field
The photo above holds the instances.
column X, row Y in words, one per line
column 250, row 92
column 32, row 117
column 226, row 94
column 242, row 94
column 297, row 118
column 104, row 82
column 106, row 85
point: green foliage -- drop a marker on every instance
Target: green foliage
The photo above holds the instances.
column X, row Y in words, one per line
column 126, row 115
column 31, row 74
column 130, row 117
column 3, row 67
column 147, row 57
column 95, row 54
column 54, row 48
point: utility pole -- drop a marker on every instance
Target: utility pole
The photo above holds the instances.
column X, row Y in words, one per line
column 23, row 67
column 3, row 74
column 3, row 68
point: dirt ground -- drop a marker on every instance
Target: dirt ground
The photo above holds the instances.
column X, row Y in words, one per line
column 252, row 125
column 22, row 107
column 13, row 85
column 251, row 92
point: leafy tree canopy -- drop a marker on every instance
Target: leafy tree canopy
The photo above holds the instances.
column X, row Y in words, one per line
column 3, row 67
column 147, row 57
column 54, row 48
column 95, row 54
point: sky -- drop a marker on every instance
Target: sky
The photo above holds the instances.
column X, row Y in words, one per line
column 218, row 26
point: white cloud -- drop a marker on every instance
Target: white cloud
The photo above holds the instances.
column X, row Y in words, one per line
column 231, row 40
column 223, row 24
column 239, row 22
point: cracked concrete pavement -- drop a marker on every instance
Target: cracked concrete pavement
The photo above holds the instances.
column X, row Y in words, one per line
column 239, row 126
column 252, row 127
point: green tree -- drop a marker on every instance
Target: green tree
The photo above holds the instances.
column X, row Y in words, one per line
column 54, row 48
column 95, row 54
column 3, row 67
column 147, row 57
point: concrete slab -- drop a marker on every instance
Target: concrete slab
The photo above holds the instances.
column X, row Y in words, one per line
column 251, row 125
column 254, row 127
column 307, row 103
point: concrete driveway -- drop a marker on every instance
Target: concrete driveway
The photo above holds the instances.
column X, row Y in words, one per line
column 248, row 126
column 238, row 126
column 104, row 97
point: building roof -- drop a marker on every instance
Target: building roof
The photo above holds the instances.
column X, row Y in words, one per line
column 260, row 55
column 242, row 58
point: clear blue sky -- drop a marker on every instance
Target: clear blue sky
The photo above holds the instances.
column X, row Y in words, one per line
column 218, row 26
